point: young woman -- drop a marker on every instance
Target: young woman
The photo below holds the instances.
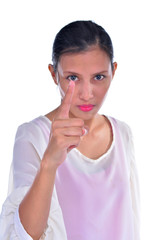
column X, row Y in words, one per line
column 73, row 173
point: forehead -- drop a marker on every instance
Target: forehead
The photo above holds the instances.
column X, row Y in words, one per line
column 90, row 59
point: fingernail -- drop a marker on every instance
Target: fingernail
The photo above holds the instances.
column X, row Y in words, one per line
column 85, row 131
column 70, row 83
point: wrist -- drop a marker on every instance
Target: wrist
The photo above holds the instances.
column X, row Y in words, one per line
column 48, row 166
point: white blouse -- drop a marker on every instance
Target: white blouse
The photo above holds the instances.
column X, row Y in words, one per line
column 92, row 199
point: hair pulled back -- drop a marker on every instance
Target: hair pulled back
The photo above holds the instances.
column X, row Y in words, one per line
column 79, row 36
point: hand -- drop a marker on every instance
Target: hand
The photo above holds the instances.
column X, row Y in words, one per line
column 65, row 132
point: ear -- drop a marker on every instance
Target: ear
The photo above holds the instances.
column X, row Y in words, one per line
column 114, row 68
column 53, row 74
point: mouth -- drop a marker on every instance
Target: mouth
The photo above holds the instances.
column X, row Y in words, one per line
column 86, row 108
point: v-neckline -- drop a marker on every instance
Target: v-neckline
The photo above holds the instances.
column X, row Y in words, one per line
column 81, row 154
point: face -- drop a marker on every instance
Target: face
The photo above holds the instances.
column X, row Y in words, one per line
column 92, row 73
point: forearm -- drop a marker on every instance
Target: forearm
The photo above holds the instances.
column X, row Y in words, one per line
column 34, row 209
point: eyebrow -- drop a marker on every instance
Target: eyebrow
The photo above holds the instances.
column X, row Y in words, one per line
column 74, row 73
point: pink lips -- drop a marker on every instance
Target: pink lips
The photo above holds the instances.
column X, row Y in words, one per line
column 86, row 108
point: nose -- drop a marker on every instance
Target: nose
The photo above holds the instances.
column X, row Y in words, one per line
column 86, row 91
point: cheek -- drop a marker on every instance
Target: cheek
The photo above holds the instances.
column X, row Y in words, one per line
column 102, row 91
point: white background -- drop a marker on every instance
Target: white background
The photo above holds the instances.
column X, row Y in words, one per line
column 26, row 89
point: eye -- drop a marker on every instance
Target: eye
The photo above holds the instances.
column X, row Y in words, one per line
column 99, row 77
column 72, row 78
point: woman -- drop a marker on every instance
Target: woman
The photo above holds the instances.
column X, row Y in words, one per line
column 74, row 174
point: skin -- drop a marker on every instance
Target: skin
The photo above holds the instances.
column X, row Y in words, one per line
column 67, row 129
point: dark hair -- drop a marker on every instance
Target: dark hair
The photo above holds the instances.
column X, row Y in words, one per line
column 78, row 36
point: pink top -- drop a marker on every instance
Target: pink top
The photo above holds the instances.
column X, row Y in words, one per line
column 92, row 199
column 95, row 195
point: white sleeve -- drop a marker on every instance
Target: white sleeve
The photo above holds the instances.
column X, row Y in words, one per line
column 134, row 184
column 10, row 225
column 133, row 175
column 24, row 168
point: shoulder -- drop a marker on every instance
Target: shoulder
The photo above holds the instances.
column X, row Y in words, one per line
column 33, row 129
column 122, row 127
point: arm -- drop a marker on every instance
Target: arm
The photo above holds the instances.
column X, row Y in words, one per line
column 65, row 133
column 33, row 179
column 26, row 162
column 34, row 209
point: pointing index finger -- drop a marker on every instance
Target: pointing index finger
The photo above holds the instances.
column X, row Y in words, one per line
column 66, row 102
